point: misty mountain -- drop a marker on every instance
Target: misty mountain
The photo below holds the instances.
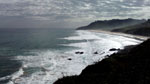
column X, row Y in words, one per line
column 139, row 29
column 111, row 24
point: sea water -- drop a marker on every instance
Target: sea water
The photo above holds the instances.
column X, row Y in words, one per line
column 41, row 56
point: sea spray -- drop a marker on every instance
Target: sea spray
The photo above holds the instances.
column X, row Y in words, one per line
column 45, row 66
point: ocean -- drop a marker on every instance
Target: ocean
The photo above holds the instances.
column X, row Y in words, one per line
column 41, row 56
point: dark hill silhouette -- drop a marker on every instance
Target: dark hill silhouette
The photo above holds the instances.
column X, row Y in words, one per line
column 139, row 29
column 129, row 66
column 111, row 24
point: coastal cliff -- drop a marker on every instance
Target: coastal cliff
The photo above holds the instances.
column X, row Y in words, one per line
column 111, row 24
column 139, row 29
column 128, row 66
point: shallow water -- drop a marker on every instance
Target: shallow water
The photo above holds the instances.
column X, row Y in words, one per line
column 41, row 56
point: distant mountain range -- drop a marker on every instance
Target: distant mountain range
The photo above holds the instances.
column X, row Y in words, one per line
column 111, row 24
column 138, row 29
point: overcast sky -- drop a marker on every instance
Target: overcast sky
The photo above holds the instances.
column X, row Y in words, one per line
column 67, row 13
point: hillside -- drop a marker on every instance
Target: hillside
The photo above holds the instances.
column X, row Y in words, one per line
column 129, row 66
column 111, row 24
column 139, row 29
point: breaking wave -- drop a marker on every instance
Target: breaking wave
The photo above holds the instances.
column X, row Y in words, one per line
column 46, row 66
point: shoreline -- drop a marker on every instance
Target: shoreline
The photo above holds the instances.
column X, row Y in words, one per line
column 118, row 68
column 138, row 37
column 106, row 56
column 125, row 67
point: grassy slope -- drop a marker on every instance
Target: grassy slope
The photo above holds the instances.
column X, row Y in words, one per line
column 130, row 66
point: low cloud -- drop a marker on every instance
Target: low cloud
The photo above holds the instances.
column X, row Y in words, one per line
column 72, row 13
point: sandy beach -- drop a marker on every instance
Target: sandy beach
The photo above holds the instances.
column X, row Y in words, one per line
column 142, row 38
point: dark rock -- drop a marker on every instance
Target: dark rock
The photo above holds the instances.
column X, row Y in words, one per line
column 69, row 59
column 95, row 52
column 148, row 20
column 114, row 49
column 79, row 52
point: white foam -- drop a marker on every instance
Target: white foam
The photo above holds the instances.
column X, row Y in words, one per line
column 13, row 76
column 55, row 64
column 53, row 69
column 82, row 35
